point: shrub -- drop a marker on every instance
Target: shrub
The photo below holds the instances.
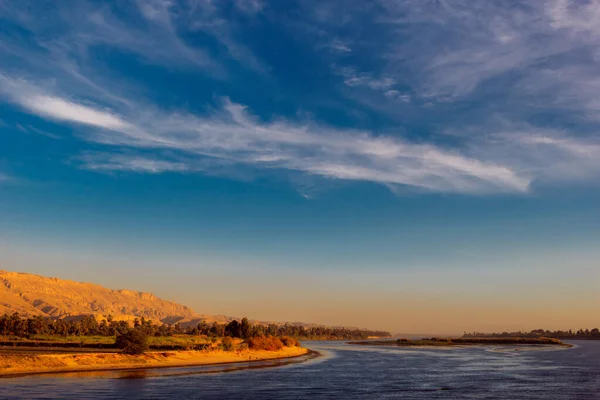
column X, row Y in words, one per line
column 134, row 341
column 289, row 341
column 228, row 344
column 269, row 343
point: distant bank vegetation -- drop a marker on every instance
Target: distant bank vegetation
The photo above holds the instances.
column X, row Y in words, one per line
column 593, row 334
column 88, row 332
column 15, row 325
column 436, row 342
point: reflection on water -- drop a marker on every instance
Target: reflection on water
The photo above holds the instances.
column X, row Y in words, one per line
column 133, row 374
column 351, row 372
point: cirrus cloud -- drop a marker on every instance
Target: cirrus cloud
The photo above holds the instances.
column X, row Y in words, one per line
column 467, row 89
column 232, row 133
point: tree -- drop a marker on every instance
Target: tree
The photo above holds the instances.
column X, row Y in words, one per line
column 217, row 330
column 203, row 328
column 233, row 329
column 272, row 329
column 245, row 329
column 134, row 341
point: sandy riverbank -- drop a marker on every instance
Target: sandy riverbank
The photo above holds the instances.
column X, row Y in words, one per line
column 19, row 364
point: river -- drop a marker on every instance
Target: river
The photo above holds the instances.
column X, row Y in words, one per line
column 349, row 372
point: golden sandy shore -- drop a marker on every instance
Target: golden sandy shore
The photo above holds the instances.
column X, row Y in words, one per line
column 19, row 364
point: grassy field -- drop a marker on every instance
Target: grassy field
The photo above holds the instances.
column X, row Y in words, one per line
column 176, row 342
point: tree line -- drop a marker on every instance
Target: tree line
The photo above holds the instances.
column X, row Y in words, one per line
column 536, row 333
column 245, row 329
column 16, row 325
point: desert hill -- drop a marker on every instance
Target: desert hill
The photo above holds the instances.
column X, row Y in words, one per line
column 30, row 294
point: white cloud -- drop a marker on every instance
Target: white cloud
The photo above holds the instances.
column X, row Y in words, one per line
column 131, row 163
column 159, row 43
column 154, row 30
column 461, row 64
column 30, row 98
column 249, row 6
column 576, row 147
column 43, row 133
column 575, row 16
column 424, row 53
column 396, row 94
column 450, row 49
column 353, row 78
column 549, row 155
column 235, row 135
column 209, row 18
column 522, row 56
column 339, row 46
column 60, row 109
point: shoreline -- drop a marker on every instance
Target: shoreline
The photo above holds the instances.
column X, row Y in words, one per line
column 461, row 342
column 148, row 361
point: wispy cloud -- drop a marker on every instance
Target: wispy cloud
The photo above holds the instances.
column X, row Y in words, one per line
column 463, row 64
column 453, row 50
column 249, row 6
column 232, row 133
column 129, row 163
column 440, row 66
column 578, row 17
column 511, row 57
column 43, row 133
column 353, row 78
column 59, row 109
column 159, row 14
column 337, row 45
column 154, row 30
column 551, row 155
column 55, row 108
column 217, row 20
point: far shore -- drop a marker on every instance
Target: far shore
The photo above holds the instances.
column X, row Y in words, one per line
column 446, row 342
column 14, row 365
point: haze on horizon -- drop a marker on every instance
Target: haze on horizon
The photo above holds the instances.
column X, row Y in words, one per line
column 415, row 166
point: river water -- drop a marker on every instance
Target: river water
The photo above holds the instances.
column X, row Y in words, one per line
column 348, row 372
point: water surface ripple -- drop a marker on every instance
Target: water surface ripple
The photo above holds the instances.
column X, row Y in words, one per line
column 349, row 372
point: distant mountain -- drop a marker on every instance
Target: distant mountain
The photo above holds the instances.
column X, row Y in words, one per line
column 31, row 294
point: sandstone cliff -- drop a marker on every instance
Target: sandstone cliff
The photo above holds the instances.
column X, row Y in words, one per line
column 31, row 294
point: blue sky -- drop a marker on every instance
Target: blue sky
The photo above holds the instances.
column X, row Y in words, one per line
column 376, row 139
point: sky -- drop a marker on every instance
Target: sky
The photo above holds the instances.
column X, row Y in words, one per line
column 426, row 166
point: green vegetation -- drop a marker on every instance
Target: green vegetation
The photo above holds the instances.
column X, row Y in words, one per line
column 47, row 334
column 228, row 344
column 88, row 326
column 246, row 330
column 184, row 342
column 289, row 341
column 134, row 341
column 593, row 334
column 175, row 342
column 71, row 339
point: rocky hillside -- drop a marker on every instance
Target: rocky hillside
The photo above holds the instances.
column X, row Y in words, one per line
column 31, row 294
